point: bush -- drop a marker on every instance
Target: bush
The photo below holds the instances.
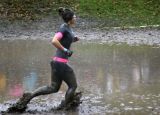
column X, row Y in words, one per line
column 30, row 9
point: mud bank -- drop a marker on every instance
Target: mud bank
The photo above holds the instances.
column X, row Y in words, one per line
column 86, row 29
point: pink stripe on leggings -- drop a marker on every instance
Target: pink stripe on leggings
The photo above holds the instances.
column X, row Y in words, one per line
column 60, row 59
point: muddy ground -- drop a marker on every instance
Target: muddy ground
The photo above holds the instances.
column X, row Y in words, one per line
column 86, row 29
column 115, row 68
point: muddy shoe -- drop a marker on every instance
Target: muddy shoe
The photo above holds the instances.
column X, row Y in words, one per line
column 75, row 102
column 16, row 108
column 61, row 106
column 21, row 104
column 77, row 96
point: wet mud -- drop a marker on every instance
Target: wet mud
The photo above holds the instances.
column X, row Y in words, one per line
column 20, row 107
column 86, row 29
column 117, row 70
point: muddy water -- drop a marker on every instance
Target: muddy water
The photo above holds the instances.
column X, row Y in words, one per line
column 115, row 79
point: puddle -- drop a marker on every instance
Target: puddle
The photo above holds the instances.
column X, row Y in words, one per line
column 115, row 79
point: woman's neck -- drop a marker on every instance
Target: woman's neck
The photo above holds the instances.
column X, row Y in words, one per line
column 69, row 24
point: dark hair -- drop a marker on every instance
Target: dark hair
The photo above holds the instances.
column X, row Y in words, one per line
column 66, row 14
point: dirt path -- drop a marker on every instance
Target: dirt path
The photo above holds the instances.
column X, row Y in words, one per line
column 86, row 29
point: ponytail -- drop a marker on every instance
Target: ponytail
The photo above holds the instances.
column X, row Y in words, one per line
column 61, row 11
column 66, row 14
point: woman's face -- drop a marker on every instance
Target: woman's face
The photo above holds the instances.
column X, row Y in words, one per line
column 73, row 21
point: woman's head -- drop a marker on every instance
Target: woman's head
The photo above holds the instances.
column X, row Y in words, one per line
column 67, row 15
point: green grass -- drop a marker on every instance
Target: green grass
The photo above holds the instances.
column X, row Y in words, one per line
column 122, row 12
column 112, row 12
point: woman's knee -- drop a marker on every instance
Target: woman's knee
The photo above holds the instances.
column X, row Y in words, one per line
column 55, row 88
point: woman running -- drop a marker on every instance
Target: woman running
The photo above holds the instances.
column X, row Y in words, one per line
column 60, row 70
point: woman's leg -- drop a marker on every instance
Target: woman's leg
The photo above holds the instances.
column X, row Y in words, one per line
column 53, row 88
column 70, row 79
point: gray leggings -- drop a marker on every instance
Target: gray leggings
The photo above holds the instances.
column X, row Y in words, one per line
column 59, row 72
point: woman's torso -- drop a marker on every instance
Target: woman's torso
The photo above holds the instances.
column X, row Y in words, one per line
column 66, row 40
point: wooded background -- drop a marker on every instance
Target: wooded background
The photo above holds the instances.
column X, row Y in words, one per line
column 134, row 12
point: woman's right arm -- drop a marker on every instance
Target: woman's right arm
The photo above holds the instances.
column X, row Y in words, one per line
column 55, row 40
column 57, row 44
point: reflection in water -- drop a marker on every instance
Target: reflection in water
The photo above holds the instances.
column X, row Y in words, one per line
column 29, row 82
column 109, row 86
column 114, row 78
column 2, row 82
column 124, row 75
column 141, row 71
column 16, row 90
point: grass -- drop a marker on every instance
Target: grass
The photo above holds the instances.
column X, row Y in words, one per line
column 122, row 12
column 112, row 12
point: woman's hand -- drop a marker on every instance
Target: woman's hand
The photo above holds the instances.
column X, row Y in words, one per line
column 68, row 52
column 76, row 39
